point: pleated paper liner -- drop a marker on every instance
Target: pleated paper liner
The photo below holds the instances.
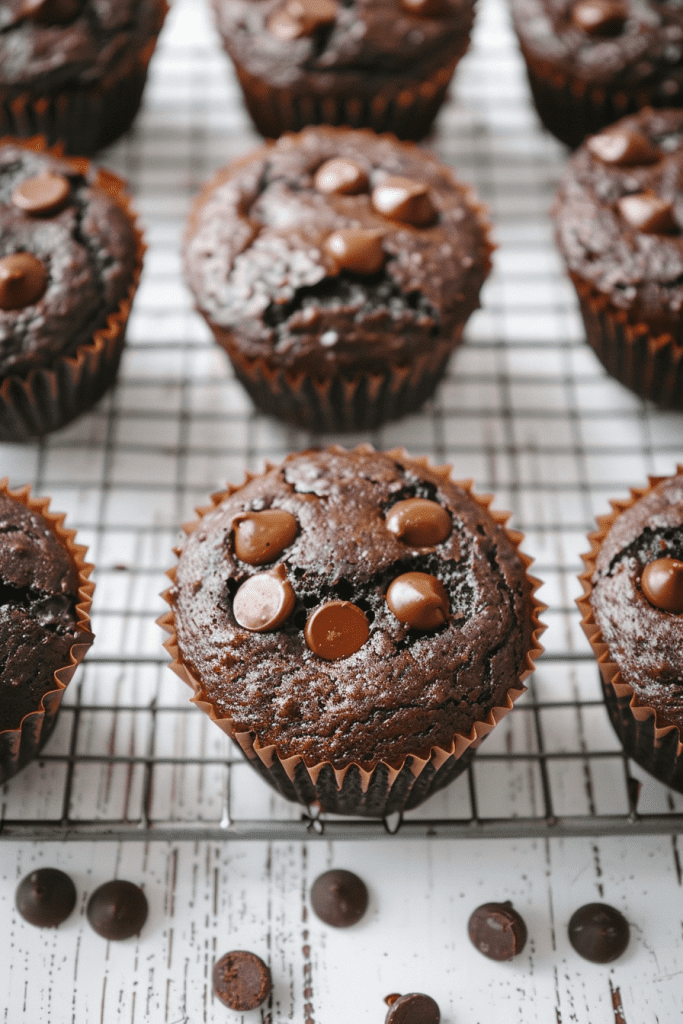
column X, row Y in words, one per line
column 47, row 398
column 646, row 735
column 366, row 789
column 647, row 364
column 20, row 745
column 85, row 118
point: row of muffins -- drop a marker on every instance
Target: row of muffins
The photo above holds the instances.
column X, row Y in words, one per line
column 357, row 622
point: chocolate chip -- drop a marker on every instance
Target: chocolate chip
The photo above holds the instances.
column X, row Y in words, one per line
column 598, row 932
column 117, row 910
column 405, row 200
column 424, row 8
column 241, row 980
column 413, row 1008
column 599, row 17
column 340, row 176
column 23, row 280
column 264, row 601
column 302, row 18
column 647, row 212
column 51, row 12
column 337, row 630
column 623, row 148
column 418, row 600
column 43, row 194
column 339, row 898
column 419, row 522
column 662, row 583
column 497, row 930
column 357, row 249
column 259, row 537
column 46, row 897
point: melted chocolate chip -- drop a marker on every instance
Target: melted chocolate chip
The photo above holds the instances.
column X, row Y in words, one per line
column 43, row 194
column 497, row 930
column 264, row 601
column 418, row 600
column 23, row 280
column 419, row 522
column 424, row 8
column 357, row 249
column 598, row 932
column 623, row 148
column 413, row 1008
column 337, row 630
column 599, row 17
column 339, row 898
column 241, row 980
column 51, row 12
column 259, row 537
column 647, row 212
column 662, row 583
column 46, row 897
column 117, row 910
column 302, row 18
column 404, row 200
column 341, row 177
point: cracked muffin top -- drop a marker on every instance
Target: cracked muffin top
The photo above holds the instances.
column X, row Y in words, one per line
column 336, row 248
column 352, row 606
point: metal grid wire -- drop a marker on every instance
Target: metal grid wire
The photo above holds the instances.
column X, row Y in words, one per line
column 526, row 410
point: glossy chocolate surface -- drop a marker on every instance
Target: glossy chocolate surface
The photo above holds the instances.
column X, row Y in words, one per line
column 404, row 200
column 117, row 910
column 662, row 584
column 336, row 630
column 264, row 601
column 241, row 980
column 497, row 930
column 419, row 600
column 22, row 280
column 419, row 522
column 43, row 193
column 339, row 898
column 260, row 537
column 46, row 897
column 599, row 933
column 413, row 1008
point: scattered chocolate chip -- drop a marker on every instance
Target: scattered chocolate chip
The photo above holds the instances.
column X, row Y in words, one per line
column 259, row 537
column 264, row 601
column 599, row 17
column 22, row 280
column 339, row 898
column 340, row 176
column 51, row 12
column 418, row 600
column 357, row 249
column 46, row 897
column 413, row 1008
column 241, row 980
column 623, row 148
column 117, row 910
column 337, row 630
column 598, row 932
column 419, row 522
column 424, row 8
column 405, row 200
column 662, row 583
column 647, row 212
column 43, row 194
column 302, row 18
column 497, row 930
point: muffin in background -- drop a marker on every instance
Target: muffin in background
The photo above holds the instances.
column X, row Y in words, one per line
column 337, row 268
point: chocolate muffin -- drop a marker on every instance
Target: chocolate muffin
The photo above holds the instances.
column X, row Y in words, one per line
column 70, row 260
column 45, row 598
column 633, row 618
column 74, row 70
column 380, row 64
column 592, row 61
column 618, row 217
column 356, row 621
column 337, row 268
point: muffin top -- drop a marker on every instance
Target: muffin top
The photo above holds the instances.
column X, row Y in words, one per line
column 38, row 619
column 618, row 216
column 336, row 247
column 334, row 44
column 637, row 596
column 613, row 42
column 352, row 607
column 67, row 256
column 50, row 44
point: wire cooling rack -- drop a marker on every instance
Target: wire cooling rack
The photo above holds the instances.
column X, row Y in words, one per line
column 526, row 410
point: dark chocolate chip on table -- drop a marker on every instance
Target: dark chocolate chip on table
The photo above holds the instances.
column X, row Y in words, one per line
column 412, row 1008
column 241, row 980
column 623, row 147
column 23, row 280
column 497, row 930
column 419, row 522
column 356, row 249
column 662, row 584
column 404, row 200
column 598, row 932
column 419, row 600
column 341, row 177
column 46, row 897
column 264, row 601
column 337, row 629
column 339, row 898
column 600, row 17
column 117, row 910
column 648, row 212
column 43, row 194
column 259, row 537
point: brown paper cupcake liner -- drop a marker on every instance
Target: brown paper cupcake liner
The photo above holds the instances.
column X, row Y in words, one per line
column 84, row 119
column 47, row 398
column 368, row 789
column 19, row 746
column 646, row 734
column 649, row 365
